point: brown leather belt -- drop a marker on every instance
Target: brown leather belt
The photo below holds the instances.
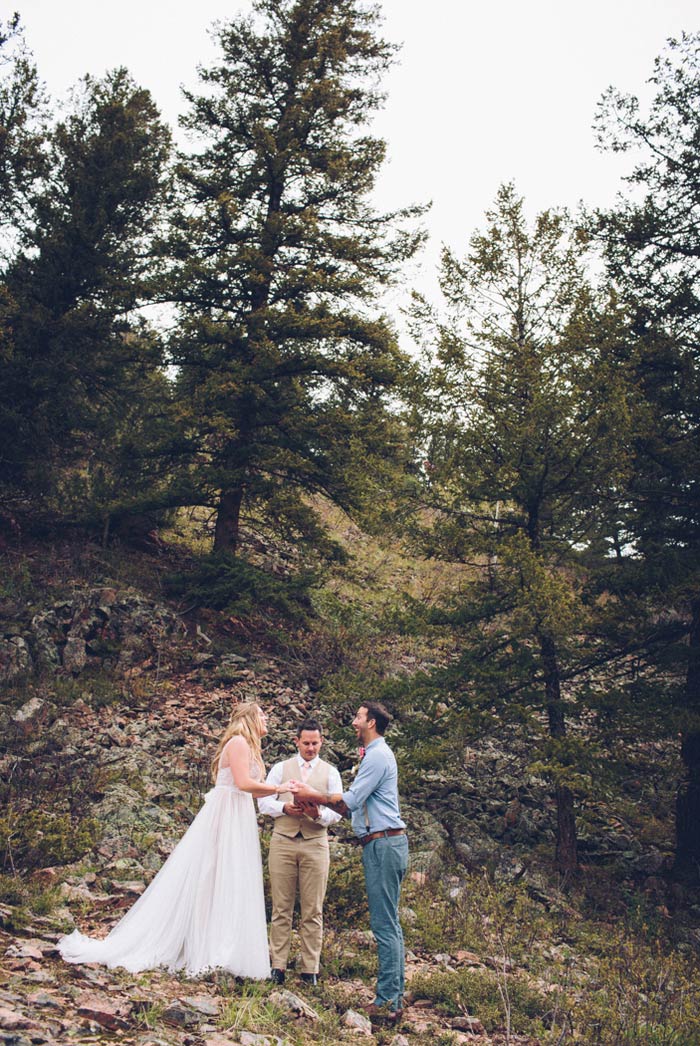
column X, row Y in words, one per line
column 364, row 839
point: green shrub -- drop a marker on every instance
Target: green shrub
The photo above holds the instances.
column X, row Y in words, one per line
column 12, row 890
column 641, row 993
column 477, row 992
column 224, row 582
column 38, row 839
column 250, row 1009
column 346, row 898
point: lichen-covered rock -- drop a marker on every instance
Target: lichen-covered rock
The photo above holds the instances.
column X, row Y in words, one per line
column 30, row 716
column 96, row 626
column 15, row 658
column 294, row 1005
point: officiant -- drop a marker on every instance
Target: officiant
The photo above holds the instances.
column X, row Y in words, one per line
column 299, row 857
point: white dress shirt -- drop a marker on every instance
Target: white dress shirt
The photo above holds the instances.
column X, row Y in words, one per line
column 274, row 807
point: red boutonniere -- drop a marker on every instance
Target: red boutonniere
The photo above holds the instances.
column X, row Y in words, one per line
column 360, row 757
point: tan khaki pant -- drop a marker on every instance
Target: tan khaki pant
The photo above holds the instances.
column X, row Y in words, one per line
column 301, row 863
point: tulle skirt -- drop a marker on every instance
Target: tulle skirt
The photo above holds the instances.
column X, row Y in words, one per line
column 204, row 910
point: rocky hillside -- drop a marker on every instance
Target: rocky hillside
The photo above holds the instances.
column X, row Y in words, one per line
column 113, row 699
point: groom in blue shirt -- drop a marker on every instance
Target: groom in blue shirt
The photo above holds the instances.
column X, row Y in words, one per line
column 373, row 803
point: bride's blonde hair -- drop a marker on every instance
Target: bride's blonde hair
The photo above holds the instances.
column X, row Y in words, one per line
column 245, row 722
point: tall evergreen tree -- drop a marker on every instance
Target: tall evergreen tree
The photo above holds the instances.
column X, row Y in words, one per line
column 283, row 357
column 521, row 418
column 79, row 354
column 652, row 245
column 22, row 125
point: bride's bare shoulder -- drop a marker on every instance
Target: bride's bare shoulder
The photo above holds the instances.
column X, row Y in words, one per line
column 236, row 745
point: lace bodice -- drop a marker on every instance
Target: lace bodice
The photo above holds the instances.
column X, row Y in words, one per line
column 224, row 778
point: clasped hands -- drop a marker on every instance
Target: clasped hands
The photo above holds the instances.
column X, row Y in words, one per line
column 304, row 805
column 305, row 802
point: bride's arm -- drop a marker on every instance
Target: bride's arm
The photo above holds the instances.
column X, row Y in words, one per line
column 237, row 753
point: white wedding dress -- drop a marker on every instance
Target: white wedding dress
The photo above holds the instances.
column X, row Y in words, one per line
column 205, row 909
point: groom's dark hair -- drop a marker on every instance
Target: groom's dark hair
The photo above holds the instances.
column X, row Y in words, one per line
column 381, row 715
column 309, row 724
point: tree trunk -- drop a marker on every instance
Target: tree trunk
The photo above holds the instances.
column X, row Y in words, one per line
column 228, row 520
column 687, row 862
column 567, row 847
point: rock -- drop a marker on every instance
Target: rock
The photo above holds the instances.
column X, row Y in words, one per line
column 96, row 625
column 469, row 1024
column 292, row 1003
column 357, row 1022
column 108, row 1013
column 132, row 887
column 651, row 863
column 180, row 1016
column 30, row 715
column 94, row 977
column 64, row 917
column 468, row 959
column 74, row 655
column 15, row 658
column 14, row 1020
column 399, row 1040
column 44, row 876
column 76, row 893
column 43, row 999
column 202, row 1004
column 361, row 938
column 23, row 951
column 250, row 1038
column 41, row 946
column 13, row 1038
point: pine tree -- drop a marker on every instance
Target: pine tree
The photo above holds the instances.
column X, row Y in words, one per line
column 522, row 418
column 652, row 247
column 80, row 356
column 283, row 357
column 22, row 126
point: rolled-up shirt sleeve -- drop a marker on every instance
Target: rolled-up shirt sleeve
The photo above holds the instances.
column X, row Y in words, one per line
column 368, row 777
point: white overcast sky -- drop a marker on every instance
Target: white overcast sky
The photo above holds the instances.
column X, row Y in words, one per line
column 483, row 92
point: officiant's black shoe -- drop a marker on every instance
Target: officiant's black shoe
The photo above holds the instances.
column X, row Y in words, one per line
column 277, row 976
column 309, row 978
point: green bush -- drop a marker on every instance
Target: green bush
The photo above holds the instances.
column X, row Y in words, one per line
column 224, row 582
column 12, row 890
column 39, row 839
column 641, row 993
column 346, row 897
column 477, row 992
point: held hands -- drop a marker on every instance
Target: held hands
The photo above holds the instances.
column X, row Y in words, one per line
column 305, row 801
column 302, row 808
column 301, row 791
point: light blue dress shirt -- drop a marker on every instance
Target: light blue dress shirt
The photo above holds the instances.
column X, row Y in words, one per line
column 373, row 797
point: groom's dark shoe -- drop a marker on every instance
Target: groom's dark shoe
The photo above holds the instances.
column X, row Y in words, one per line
column 383, row 1014
column 277, row 976
column 309, row 978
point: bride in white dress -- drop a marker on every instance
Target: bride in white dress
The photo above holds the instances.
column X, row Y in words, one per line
column 205, row 909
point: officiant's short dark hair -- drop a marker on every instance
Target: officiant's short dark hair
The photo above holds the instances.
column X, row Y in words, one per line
column 309, row 724
column 381, row 715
